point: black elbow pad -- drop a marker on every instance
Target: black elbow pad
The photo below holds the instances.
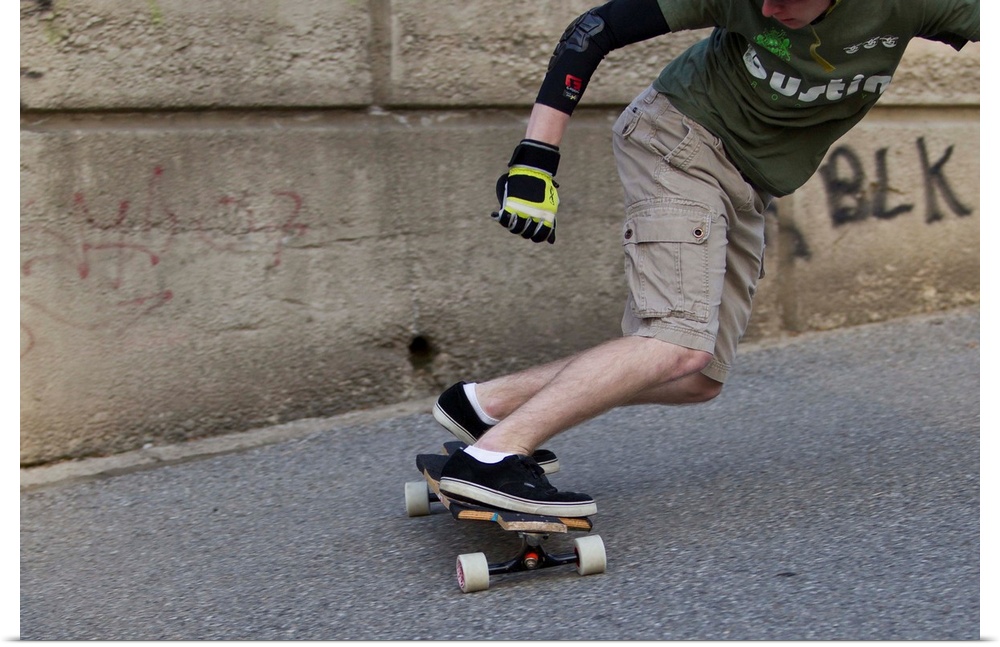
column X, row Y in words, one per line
column 578, row 35
column 590, row 38
column 573, row 62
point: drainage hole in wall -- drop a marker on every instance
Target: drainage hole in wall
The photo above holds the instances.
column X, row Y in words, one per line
column 422, row 352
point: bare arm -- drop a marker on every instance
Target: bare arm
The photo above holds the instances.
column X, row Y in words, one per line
column 547, row 124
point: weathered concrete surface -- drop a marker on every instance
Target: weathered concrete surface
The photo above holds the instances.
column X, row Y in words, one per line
column 289, row 274
column 236, row 219
column 109, row 55
column 102, row 54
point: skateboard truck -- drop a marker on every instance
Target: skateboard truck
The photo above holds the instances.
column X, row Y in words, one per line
column 532, row 556
column 474, row 570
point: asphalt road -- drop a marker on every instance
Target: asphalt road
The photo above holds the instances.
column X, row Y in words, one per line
column 831, row 492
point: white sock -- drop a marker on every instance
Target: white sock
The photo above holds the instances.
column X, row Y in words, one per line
column 485, row 455
column 470, row 392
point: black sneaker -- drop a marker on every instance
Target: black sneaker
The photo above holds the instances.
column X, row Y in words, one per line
column 516, row 483
column 454, row 411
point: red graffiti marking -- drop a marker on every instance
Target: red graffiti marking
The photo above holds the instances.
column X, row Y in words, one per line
column 97, row 270
column 27, row 340
column 246, row 214
column 104, row 278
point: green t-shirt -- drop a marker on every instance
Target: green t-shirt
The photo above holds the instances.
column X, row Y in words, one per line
column 755, row 84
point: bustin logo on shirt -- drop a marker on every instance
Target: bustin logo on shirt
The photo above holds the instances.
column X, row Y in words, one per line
column 786, row 86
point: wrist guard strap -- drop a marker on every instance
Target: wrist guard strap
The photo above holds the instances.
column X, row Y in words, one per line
column 536, row 154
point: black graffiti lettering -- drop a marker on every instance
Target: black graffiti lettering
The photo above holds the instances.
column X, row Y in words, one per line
column 882, row 190
column 934, row 181
column 845, row 196
column 797, row 241
column 852, row 198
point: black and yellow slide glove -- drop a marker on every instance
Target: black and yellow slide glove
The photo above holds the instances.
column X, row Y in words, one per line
column 527, row 193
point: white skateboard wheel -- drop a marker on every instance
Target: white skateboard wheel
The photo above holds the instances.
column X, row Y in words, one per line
column 590, row 556
column 473, row 572
column 418, row 500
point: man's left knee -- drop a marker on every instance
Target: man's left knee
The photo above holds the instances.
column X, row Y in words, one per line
column 704, row 388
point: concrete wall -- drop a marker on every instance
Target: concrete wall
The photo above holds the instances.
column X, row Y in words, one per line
column 239, row 214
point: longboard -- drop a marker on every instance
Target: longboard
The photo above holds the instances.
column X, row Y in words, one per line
column 472, row 569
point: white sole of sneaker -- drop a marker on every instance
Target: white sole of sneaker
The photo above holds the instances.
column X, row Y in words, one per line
column 549, row 467
column 488, row 497
column 456, row 430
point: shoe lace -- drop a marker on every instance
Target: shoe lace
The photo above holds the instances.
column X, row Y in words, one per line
column 537, row 473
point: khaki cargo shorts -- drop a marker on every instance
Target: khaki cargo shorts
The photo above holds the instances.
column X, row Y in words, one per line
column 693, row 233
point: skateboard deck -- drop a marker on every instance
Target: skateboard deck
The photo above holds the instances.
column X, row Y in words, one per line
column 473, row 569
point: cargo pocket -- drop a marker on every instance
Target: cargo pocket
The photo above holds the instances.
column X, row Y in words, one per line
column 668, row 260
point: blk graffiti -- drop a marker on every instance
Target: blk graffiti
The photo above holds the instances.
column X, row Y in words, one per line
column 853, row 196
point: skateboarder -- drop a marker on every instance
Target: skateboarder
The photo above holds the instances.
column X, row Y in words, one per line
column 739, row 118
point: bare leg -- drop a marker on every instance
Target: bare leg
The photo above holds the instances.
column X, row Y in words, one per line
column 690, row 389
column 559, row 395
column 502, row 396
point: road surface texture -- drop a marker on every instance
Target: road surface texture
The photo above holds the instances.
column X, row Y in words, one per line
column 831, row 492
